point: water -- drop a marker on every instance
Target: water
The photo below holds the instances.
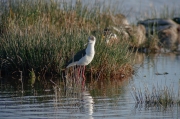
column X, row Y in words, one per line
column 100, row 100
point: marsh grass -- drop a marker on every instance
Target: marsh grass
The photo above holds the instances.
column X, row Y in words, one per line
column 44, row 36
column 156, row 96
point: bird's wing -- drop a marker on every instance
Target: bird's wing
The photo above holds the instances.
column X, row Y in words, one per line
column 77, row 56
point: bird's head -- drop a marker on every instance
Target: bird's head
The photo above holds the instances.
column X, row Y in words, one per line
column 91, row 39
column 177, row 20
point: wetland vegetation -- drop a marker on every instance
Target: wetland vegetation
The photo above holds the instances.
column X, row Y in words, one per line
column 41, row 36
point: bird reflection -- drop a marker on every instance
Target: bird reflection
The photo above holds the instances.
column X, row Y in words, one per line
column 87, row 104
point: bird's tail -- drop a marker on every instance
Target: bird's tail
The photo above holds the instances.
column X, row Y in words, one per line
column 72, row 64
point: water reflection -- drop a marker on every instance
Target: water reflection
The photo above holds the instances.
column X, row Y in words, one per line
column 138, row 58
column 159, row 72
column 87, row 104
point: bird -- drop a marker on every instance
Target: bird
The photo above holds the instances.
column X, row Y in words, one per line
column 109, row 36
column 133, row 35
column 85, row 56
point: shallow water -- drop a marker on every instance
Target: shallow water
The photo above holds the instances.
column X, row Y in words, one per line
column 99, row 100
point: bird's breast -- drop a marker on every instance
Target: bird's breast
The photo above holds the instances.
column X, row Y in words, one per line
column 85, row 60
column 90, row 50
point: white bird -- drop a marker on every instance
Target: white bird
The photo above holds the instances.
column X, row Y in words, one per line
column 85, row 56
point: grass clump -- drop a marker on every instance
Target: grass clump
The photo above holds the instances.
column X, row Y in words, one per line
column 164, row 96
column 43, row 36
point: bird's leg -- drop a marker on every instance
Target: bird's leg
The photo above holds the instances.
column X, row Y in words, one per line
column 82, row 74
column 79, row 71
column 84, row 78
column 75, row 72
column 78, row 74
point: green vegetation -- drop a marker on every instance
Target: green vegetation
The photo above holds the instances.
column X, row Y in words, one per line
column 40, row 37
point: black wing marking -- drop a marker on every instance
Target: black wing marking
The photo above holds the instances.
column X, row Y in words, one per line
column 77, row 56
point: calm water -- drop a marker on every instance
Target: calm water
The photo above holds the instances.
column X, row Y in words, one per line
column 99, row 100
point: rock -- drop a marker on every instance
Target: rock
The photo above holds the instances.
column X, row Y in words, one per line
column 167, row 30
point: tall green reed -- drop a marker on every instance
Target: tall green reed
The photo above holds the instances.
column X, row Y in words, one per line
column 43, row 36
